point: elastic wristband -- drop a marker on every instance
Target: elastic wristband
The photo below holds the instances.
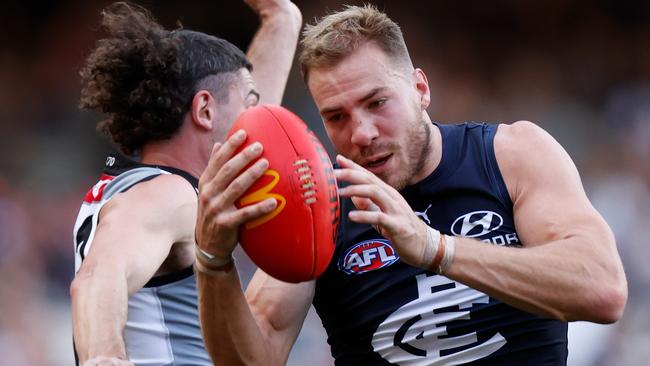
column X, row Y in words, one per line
column 209, row 260
column 448, row 258
column 440, row 254
column 199, row 266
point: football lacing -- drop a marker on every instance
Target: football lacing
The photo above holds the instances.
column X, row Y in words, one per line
column 305, row 176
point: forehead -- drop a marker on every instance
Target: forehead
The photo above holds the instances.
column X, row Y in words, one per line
column 367, row 68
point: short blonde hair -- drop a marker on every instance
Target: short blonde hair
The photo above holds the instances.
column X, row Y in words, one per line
column 338, row 34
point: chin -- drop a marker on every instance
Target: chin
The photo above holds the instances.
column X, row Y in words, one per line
column 395, row 181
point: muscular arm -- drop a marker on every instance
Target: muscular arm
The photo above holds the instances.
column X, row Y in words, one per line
column 569, row 267
column 272, row 49
column 260, row 327
column 134, row 236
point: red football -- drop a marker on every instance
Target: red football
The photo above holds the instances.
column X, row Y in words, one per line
column 295, row 242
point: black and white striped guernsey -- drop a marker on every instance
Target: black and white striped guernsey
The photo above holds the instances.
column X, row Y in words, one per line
column 162, row 326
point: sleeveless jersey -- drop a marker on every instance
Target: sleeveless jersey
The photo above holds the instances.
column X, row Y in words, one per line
column 378, row 310
column 162, row 326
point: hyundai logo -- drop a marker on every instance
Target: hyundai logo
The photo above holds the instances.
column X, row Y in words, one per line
column 476, row 223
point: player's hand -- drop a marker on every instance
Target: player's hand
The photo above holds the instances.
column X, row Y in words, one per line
column 107, row 361
column 268, row 9
column 221, row 184
column 380, row 205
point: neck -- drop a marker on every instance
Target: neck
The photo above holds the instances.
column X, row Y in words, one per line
column 185, row 151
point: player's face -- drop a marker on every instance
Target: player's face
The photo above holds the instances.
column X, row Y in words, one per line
column 374, row 113
column 241, row 95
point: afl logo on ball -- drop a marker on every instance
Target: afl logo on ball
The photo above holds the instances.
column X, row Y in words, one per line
column 476, row 223
column 368, row 256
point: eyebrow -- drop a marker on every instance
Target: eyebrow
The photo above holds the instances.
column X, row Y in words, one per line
column 371, row 94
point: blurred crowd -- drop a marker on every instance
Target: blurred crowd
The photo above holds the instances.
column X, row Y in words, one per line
column 580, row 69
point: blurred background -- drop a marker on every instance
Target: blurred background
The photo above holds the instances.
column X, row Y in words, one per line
column 580, row 69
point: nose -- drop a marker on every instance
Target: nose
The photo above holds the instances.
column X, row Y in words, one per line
column 364, row 131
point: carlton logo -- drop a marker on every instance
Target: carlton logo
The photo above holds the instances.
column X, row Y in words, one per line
column 476, row 223
column 260, row 195
column 368, row 256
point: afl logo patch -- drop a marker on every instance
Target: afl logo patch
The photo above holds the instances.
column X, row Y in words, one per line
column 368, row 256
column 476, row 223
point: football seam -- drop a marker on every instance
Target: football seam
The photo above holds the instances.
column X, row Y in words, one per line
column 311, row 216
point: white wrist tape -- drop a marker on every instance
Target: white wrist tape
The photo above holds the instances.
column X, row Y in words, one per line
column 438, row 252
column 430, row 247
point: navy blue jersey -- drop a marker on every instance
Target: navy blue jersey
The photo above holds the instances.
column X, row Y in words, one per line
column 378, row 310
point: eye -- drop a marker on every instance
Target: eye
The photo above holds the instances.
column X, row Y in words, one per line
column 335, row 117
column 376, row 103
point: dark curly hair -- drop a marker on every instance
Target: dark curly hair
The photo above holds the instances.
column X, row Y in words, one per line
column 145, row 77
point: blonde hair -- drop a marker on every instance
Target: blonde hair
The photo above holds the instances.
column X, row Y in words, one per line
column 338, row 34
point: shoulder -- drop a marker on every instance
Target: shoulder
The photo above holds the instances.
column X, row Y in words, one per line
column 519, row 135
column 527, row 154
column 163, row 200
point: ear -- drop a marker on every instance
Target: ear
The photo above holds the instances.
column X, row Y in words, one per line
column 422, row 86
column 203, row 111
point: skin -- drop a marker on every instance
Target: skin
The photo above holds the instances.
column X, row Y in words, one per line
column 373, row 108
column 158, row 217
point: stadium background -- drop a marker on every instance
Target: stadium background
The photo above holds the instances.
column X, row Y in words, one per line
column 580, row 69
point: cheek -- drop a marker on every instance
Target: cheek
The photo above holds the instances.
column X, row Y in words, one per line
column 338, row 135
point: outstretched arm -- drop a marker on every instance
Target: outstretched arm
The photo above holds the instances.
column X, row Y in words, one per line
column 569, row 267
column 272, row 50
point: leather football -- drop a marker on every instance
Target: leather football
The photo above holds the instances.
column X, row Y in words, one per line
column 295, row 242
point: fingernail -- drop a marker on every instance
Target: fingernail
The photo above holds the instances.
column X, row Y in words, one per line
column 256, row 147
column 240, row 134
column 263, row 163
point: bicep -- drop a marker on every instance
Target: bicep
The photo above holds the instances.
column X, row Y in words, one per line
column 550, row 203
column 279, row 308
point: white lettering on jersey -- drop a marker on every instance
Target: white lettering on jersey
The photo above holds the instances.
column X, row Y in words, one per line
column 367, row 256
column 416, row 335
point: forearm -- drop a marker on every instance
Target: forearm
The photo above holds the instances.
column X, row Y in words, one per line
column 99, row 312
column 231, row 334
column 272, row 50
column 561, row 279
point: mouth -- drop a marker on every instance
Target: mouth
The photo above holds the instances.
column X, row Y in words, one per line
column 377, row 162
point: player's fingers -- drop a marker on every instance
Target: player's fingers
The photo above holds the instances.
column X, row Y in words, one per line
column 370, row 191
column 365, row 204
column 245, row 180
column 350, row 164
column 223, row 153
column 234, row 167
column 355, row 173
column 252, row 212
column 375, row 218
